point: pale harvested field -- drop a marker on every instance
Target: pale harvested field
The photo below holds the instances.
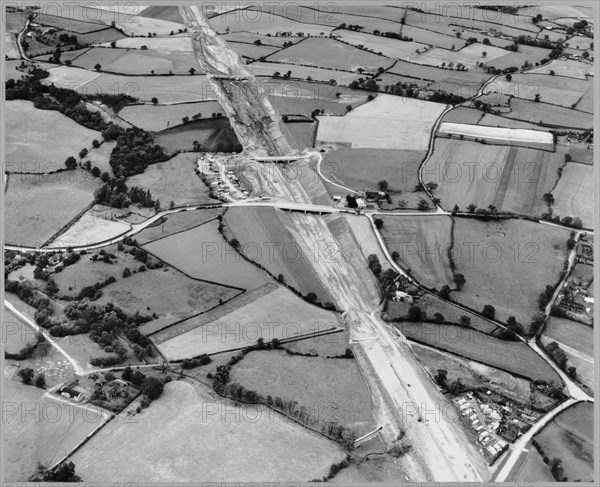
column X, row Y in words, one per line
column 261, row 446
column 168, row 89
column 500, row 134
column 280, row 314
column 574, row 193
column 468, row 55
column 165, row 45
column 580, row 43
column 565, row 67
column 302, row 72
column 90, row 229
column 387, row 122
column 265, row 40
column 38, row 206
column 160, row 117
column 10, row 44
column 43, row 437
column 174, row 180
column 140, row 26
column 328, row 53
column 387, row 46
column 509, row 264
column 37, row 136
column 263, row 23
column 513, row 179
column 422, row 244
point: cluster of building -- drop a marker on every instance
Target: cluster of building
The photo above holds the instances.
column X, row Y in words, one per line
column 361, row 201
column 224, row 185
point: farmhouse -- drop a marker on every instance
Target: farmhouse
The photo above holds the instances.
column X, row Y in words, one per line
column 403, row 297
column 71, row 393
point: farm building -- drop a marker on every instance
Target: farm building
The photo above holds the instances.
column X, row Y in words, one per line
column 403, row 297
column 71, row 393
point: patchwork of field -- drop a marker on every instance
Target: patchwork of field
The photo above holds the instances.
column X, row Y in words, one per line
column 38, row 206
column 513, row 179
column 507, row 264
column 166, row 292
column 264, row 239
column 249, row 20
column 329, row 53
column 213, row 135
column 260, row 69
column 302, row 97
column 164, row 45
column 570, row 437
column 387, row 122
column 198, row 422
column 36, row 136
column 168, row 89
column 556, row 90
column 202, row 253
column 279, row 314
column 330, row 389
column 31, row 438
column 513, row 357
column 574, row 192
column 175, row 223
column 174, row 181
column 89, row 229
column 423, row 244
column 125, row 61
column 470, row 56
column 532, row 138
column 250, row 38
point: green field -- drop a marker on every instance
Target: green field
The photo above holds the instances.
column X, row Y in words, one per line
column 570, row 438
column 202, row 253
column 36, row 136
column 512, row 357
column 155, row 118
column 260, row 445
column 507, row 264
column 423, row 245
column 174, row 181
column 331, row 389
column 573, row 193
column 571, row 333
column 38, row 206
column 175, row 223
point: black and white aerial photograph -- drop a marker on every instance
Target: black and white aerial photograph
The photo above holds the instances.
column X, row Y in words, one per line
column 275, row 243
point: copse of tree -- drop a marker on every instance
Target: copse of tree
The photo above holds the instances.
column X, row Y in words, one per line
column 64, row 472
column 489, row 311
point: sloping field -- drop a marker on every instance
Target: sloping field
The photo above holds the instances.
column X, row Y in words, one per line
column 168, row 89
column 177, row 222
column 365, row 236
column 532, row 469
column 331, row 389
column 463, row 115
column 165, row 292
column 513, row 179
column 252, row 51
column 551, row 115
column 174, row 181
column 387, row 46
column 492, row 120
column 566, row 67
column 423, row 244
column 127, row 61
column 513, row 357
column 66, row 23
column 469, row 56
column 202, row 253
column 45, row 436
column 328, row 53
column 280, row 314
column 37, row 136
column 387, row 122
column 532, row 138
column 214, row 135
column 89, row 229
column 265, row 240
column 556, row 90
column 361, row 169
column 265, row 40
column 39, row 206
column 165, row 45
column 170, row 13
column 574, row 193
column 571, row 333
column 570, row 437
column 509, row 264
column 194, row 421
column 302, row 72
